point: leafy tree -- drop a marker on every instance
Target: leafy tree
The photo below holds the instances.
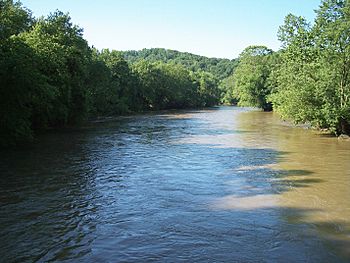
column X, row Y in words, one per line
column 181, row 91
column 228, row 95
column 167, row 86
column 332, row 40
column 207, row 88
column 251, row 77
column 295, row 95
column 64, row 58
column 160, row 84
column 21, row 90
column 14, row 18
column 100, row 95
column 113, row 87
column 312, row 79
column 119, row 73
column 150, row 85
column 22, row 86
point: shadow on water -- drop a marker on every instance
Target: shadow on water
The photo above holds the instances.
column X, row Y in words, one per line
column 132, row 190
column 258, row 197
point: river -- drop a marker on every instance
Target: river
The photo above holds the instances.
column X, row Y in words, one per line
column 225, row 184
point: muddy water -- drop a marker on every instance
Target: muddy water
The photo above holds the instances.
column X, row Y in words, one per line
column 226, row 184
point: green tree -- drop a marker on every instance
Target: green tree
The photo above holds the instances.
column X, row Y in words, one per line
column 14, row 18
column 251, row 77
column 101, row 95
column 207, row 89
column 64, row 55
column 22, row 89
column 113, row 88
column 227, row 91
column 295, row 94
column 313, row 77
column 165, row 86
column 149, row 77
column 22, row 86
column 180, row 90
column 332, row 40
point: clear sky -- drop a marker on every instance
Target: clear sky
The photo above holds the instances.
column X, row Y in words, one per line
column 213, row 28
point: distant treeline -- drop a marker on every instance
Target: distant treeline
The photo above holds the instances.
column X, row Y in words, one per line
column 50, row 77
column 221, row 68
column 308, row 80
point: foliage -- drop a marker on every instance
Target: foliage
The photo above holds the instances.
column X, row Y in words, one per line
column 228, row 95
column 312, row 79
column 21, row 90
column 21, row 84
column 250, row 79
column 220, row 68
column 50, row 77
column 165, row 86
column 14, row 19
column 208, row 90
column 64, row 56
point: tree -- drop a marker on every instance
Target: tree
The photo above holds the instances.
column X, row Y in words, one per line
column 14, row 18
column 228, row 93
column 22, row 86
column 64, row 56
column 312, row 80
column 113, row 88
column 22, row 89
column 207, row 89
column 251, row 77
column 180, row 89
column 149, row 78
column 100, row 96
column 332, row 39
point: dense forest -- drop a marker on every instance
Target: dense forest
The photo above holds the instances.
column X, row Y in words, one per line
column 219, row 67
column 51, row 77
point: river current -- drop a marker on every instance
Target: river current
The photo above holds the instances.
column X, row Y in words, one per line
column 224, row 184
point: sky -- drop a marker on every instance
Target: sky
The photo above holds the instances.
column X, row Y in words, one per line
column 212, row 28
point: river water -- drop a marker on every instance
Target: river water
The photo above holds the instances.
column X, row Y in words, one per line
column 225, row 184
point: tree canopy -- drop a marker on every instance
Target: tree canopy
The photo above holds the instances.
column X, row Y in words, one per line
column 219, row 67
column 251, row 77
column 50, row 77
column 308, row 80
column 312, row 78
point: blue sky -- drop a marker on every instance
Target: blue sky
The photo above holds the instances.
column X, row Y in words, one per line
column 213, row 28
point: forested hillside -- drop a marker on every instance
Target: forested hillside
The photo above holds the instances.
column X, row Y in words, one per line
column 219, row 67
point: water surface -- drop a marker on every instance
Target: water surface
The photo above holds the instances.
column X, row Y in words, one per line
column 225, row 184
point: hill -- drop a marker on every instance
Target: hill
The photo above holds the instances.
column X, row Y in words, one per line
column 219, row 67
